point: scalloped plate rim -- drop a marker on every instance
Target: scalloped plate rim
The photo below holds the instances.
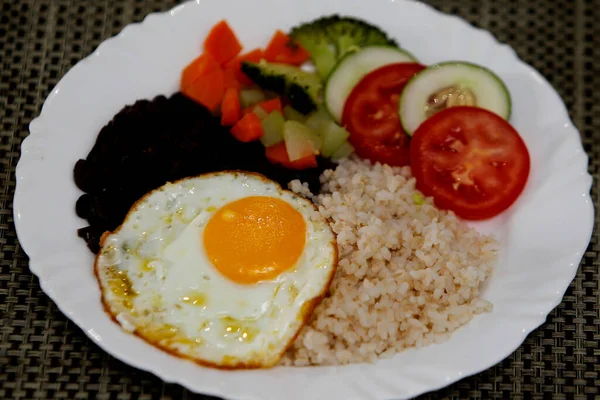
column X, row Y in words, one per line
column 37, row 128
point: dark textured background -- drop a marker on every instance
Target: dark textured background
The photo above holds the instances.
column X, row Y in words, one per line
column 44, row 356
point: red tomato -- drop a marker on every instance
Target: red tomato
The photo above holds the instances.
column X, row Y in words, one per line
column 371, row 114
column 470, row 160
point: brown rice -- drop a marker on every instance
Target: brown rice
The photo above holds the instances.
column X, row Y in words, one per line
column 408, row 275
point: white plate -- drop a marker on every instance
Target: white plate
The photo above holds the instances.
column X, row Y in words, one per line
column 544, row 235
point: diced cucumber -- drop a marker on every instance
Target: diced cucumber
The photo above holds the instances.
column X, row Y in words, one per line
column 260, row 112
column 292, row 115
column 318, row 119
column 300, row 141
column 331, row 134
column 332, row 137
column 250, row 97
column 352, row 68
column 272, row 129
column 451, row 84
column 343, row 151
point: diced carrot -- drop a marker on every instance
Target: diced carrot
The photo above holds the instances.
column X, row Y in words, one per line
column 230, row 107
column 303, row 163
column 271, row 105
column 230, row 80
column 277, row 154
column 208, row 89
column 222, row 43
column 248, row 110
column 248, row 128
column 283, row 49
column 234, row 64
column 194, row 70
column 253, row 56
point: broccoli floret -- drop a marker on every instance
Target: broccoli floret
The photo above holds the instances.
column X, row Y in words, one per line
column 302, row 89
column 328, row 39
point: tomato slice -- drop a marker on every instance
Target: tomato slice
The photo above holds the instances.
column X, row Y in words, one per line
column 371, row 114
column 470, row 160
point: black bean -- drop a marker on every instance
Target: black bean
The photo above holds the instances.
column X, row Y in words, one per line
column 83, row 205
column 155, row 141
column 82, row 175
column 92, row 236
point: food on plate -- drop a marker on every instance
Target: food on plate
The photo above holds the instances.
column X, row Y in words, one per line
column 222, row 43
column 272, row 126
column 292, row 115
column 352, row 68
column 300, row 141
column 234, row 65
column 202, row 65
column 278, row 154
column 329, row 38
column 231, row 108
column 283, row 49
column 470, row 160
column 251, row 97
column 223, row 268
column 448, row 84
column 300, row 87
column 408, row 273
column 150, row 143
column 371, row 114
column 248, row 128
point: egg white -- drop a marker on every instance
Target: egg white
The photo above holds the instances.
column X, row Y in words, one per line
column 157, row 281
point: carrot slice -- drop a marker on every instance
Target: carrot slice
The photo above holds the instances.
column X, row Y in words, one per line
column 230, row 80
column 235, row 64
column 248, row 128
column 194, row 70
column 277, row 154
column 283, row 49
column 208, row 89
column 222, row 43
column 231, row 110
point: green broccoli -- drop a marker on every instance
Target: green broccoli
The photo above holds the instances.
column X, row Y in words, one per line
column 328, row 39
column 301, row 88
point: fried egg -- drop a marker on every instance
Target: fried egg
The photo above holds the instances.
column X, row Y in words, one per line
column 223, row 268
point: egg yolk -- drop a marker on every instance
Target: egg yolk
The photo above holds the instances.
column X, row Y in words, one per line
column 255, row 238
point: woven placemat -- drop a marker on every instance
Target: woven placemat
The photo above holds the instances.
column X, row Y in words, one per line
column 44, row 356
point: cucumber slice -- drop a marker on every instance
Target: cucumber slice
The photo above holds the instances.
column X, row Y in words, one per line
column 272, row 129
column 300, row 141
column 352, row 68
column 250, row 97
column 450, row 84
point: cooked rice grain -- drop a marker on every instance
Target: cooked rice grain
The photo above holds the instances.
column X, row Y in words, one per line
column 408, row 274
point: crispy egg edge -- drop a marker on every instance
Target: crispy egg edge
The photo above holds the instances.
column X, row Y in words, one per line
column 305, row 311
